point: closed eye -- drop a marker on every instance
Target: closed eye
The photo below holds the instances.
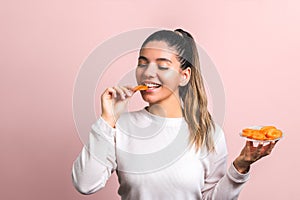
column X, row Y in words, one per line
column 163, row 64
column 163, row 67
column 142, row 65
column 143, row 61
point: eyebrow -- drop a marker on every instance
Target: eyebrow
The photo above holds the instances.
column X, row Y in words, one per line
column 158, row 59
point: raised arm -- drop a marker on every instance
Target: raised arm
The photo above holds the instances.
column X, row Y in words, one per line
column 97, row 160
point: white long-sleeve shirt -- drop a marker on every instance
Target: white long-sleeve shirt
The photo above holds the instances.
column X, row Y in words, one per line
column 153, row 161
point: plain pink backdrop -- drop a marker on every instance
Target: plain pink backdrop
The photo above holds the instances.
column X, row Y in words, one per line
column 254, row 44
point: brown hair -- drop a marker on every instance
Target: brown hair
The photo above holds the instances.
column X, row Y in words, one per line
column 193, row 94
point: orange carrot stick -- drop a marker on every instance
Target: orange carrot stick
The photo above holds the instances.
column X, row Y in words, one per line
column 140, row 87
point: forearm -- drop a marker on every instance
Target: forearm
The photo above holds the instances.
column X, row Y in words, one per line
column 88, row 174
column 231, row 184
column 227, row 187
column 96, row 161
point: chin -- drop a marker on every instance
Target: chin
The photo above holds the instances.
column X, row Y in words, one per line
column 149, row 99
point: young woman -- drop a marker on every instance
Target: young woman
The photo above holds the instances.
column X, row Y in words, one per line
column 171, row 149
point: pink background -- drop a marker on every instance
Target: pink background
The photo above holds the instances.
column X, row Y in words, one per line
column 254, row 44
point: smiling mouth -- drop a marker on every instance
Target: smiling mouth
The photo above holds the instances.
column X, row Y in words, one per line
column 152, row 85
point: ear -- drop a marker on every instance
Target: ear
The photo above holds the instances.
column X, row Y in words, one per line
column 185, row 76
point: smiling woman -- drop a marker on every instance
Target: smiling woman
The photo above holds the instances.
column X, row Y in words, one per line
column 171, row 149
column 159, row 69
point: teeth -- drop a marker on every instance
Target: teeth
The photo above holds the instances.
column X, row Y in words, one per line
column 152, row 84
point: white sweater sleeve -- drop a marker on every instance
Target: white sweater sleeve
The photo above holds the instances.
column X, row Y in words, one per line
column 220, row 183
column 97, row 160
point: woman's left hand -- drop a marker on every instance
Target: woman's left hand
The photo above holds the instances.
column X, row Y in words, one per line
column 251, row 154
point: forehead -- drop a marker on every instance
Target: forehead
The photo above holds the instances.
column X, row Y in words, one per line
column 158, row 49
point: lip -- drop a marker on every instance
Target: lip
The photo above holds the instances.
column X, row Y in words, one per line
column 150, row 90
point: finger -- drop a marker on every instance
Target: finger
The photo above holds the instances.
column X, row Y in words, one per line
column 249, row 144
column 272, row 144
column 260, row 149
column 112, row 92
column 120, row 92
column 130, row 88
column 269, row 148
column 247, row 147
column 127, row 90
column 260, row 146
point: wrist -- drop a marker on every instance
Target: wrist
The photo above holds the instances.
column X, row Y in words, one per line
column 241, row 166
column 109, row 120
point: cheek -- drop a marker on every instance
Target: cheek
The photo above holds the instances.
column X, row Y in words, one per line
column 138, row 74
column 171, row 78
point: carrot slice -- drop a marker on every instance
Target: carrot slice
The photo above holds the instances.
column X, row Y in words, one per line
column 140, row 87
column 268, row 128
column 273, row 134
column 247, row 132
column 257, row 135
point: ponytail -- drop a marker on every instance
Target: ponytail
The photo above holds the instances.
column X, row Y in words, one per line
column 194, row 97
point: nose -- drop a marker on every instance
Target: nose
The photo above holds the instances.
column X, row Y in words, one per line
column 150, row 71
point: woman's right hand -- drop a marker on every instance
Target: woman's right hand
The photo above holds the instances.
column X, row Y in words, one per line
column 113, row 102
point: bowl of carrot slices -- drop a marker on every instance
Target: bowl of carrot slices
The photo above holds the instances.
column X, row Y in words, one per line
column 262, row 133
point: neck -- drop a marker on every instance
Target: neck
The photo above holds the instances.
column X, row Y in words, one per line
column 169, row 109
